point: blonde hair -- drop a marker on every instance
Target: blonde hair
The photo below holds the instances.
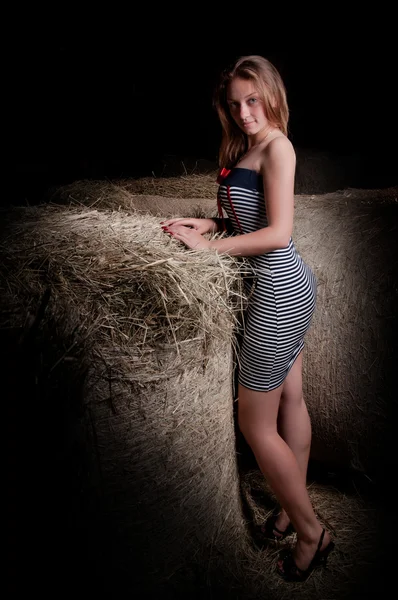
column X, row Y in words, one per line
column 271, row 88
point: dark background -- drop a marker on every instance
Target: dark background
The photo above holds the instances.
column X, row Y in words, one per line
column 115, row 96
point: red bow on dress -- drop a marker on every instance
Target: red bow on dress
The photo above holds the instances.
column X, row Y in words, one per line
column 223, row 174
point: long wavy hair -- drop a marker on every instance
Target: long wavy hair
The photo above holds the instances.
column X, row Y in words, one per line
column 271, row 89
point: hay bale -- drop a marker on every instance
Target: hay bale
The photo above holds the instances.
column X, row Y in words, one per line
column 150, row 325
column 125, row 193
column 350, row 241
column 348, row 238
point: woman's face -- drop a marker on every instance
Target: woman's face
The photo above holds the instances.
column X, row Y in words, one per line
column 246, row 106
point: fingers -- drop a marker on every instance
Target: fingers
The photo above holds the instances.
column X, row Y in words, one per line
column 177, row 230
column 173, row 227
column 170, row 222
column 172, row 230
column 188, row 236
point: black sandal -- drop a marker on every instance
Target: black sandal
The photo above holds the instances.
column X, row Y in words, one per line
column 291, row 572
column 269, row 528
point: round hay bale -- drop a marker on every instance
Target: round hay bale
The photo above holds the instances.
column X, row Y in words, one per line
column 130, row 194
column 150, row 325
column 350, row 240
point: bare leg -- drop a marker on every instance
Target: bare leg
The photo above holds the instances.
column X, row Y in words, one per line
column 294, row 425
column 257, row 417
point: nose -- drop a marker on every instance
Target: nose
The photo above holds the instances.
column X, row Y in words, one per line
column 244, row 111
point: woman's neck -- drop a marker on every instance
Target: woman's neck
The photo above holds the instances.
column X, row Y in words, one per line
column 255, row 141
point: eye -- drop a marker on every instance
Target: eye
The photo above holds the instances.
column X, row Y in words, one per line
column 232, row 105
column 252, row 100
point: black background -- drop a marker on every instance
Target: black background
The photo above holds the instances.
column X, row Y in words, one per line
column 113, row 94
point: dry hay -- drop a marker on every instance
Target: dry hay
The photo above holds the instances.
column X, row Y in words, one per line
column 350, row 241
column 338, row 428
column 184, row 186
column 181, row 199
column 361, row 531
column 176, row 195
column 316, row 173
column 120, row 192
column 150, row 325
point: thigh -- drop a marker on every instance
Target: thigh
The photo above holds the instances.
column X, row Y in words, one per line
column 292, row 389
column 258, row 411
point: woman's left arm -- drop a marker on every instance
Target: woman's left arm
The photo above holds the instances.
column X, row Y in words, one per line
column 278, row 169
column 278, row 163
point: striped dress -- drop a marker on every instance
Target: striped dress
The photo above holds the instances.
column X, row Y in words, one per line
column 280, row 308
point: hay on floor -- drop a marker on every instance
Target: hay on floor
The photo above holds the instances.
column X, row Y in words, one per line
column 361, row 529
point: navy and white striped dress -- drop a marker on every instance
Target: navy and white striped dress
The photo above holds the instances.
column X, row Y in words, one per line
column 281, row 306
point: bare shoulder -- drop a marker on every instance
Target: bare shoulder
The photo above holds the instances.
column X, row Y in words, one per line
column 278, row 156
column 279, row 147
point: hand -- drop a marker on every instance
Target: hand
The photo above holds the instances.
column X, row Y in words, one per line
column 200, row 225
column 188, row 236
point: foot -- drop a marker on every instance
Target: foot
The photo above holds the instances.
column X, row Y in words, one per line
column 305, row 551
column 282, row 521
column 277, row 526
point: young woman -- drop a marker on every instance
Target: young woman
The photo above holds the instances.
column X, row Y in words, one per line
column 257, row 193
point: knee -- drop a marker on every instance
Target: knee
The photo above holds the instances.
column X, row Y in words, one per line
column 292, row 399
column 247, row 428
column 244, row 424
column 255, row 431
